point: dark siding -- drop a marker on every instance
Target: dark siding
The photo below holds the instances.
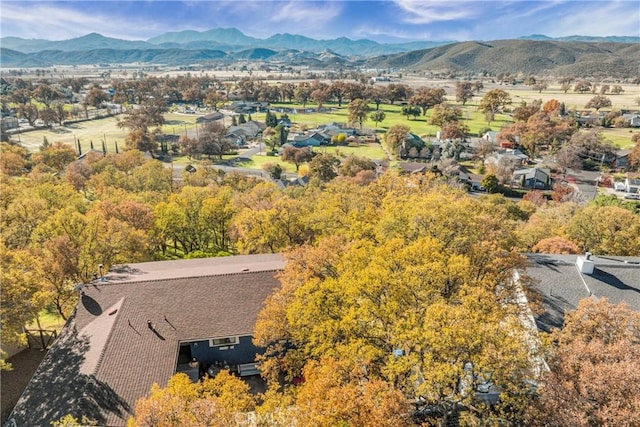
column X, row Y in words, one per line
column 243, row 352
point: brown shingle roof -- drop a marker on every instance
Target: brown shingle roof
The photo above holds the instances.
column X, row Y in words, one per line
column 107, row 356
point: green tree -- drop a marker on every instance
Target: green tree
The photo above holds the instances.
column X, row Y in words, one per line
column 378, row 116
column 410, row 110
column 271, row 120
column 324, row 167
column 443, row 114
column 490, row 183
column 395, row 137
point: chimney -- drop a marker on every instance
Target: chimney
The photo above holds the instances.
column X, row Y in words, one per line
column 585, row 264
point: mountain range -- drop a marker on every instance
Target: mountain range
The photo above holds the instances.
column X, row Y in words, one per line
column 535, row 54
column 225, row 39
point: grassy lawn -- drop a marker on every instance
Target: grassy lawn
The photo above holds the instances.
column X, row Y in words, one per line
column 94, row 130
column 258, row 161
column 97, row 131
column 620, row 137
column 371, row 151
column 49, row 319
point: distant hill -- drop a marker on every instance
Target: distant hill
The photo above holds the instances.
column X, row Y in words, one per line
column 535, row 54
column 521, row 56
column 590, row 39
column 226, row 39
column 112, row 56
column 87, row 42
column 230, row 36
column 256, row 54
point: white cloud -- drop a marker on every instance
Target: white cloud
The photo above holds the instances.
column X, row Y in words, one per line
column 427, row 12
column 54, row 22
column 598, row 19
column 312, row 14
column 401, row 36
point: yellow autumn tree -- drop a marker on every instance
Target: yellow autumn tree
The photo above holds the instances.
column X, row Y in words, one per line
column 420, row 301
column 213, row 402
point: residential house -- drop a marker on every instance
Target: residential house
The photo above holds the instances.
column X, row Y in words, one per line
column 535, row 178
column 209, row 118
column 512, row 157
column 141, row 324
column 248, row 107
column 412, row 168
column 492, row 136
column 310, row 139
column 334, row 128
column 622, row 159
column 246, row 131
column 632, row 183
column 8, row 123
column 561, row 281
column 633, row 119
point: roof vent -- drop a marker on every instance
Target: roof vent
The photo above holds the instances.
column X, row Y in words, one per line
column 585, row 264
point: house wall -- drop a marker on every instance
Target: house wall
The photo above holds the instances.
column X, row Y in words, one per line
column 243, row 352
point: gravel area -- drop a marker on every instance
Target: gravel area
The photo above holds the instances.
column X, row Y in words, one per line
column 13, row 383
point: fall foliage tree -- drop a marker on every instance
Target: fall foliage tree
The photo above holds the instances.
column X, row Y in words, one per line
column 427, row 98
column 606, row 230
column 594, row 369
column 493, row 101
column 211, row 402
column 333, row 394
column 464, row 91
column 358, row 111
column 556, row 245
column 598, row 102
column 359, row 301
column 297, row 156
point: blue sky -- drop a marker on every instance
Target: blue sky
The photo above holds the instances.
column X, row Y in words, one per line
column 383, row 21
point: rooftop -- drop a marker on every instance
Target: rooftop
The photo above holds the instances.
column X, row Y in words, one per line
column 107, row 355
column 559, row 285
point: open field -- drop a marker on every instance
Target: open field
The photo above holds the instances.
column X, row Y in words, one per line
column 107, row 130
column 97, row 131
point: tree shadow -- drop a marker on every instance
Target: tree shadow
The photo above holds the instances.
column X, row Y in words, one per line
column 59, row 388
column 612, row 280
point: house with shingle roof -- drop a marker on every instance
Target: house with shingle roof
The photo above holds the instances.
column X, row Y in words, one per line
column 141, row 324
column 561, row 281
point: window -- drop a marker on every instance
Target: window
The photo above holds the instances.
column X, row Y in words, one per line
column 217, row 342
